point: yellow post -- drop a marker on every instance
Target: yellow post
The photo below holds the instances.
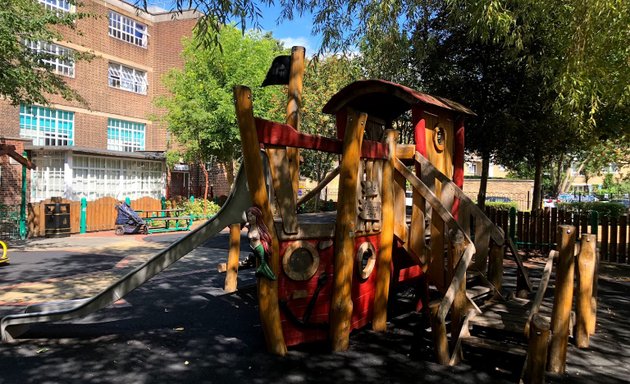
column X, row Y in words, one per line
column 231, row 276
column 341, row 308
column 267, row 289
column 585, row 316
column 294, row 102
column 384, row 260
column 563, row 299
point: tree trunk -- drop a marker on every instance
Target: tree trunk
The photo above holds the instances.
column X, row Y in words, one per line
column 536, row 199
column 483, row 184
column 229, row 171
column 204, row 169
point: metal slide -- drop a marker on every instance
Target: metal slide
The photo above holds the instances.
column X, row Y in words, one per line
column 233, row 211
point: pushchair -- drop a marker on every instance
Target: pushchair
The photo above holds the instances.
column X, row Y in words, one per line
column 128, row 221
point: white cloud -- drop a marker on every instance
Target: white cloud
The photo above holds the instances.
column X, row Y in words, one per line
column 298, row 41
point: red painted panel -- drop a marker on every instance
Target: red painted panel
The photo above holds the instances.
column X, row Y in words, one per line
column 273, row 133
column 419, row 135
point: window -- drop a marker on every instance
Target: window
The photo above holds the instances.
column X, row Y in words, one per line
column 125, row 136
column 126, row 29
column 127, row 78
column 96, row 177
column 48, row 177
column 47, row 126
column 58, row 58
column 472, row 168
column 57, row 5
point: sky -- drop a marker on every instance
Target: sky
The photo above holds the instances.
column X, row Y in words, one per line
column 294, row 32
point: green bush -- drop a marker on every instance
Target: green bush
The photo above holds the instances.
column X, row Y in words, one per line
column 502, row 206
column 601, row 207
column 196, row 208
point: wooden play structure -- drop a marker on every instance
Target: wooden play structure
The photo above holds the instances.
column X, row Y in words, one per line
column 335, row 270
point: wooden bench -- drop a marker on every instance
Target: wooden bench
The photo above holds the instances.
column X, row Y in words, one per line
column 170, row 223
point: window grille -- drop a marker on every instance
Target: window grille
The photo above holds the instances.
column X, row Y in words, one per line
column 127, row 78
column 58, row 58
column 48, row 177
column 47, row 126
column 57, row 5
column 127, row 29
column 125, row 136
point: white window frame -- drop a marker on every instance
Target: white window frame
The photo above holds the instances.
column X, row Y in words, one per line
column 126, row 138
column 127, row 29
column 127, row 78
column 58, row 5
column 60, row 60
column 58, row 132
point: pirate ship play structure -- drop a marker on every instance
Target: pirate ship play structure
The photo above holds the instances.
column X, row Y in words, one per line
column 334, row 270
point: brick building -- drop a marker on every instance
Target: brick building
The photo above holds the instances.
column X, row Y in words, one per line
column 110, row 147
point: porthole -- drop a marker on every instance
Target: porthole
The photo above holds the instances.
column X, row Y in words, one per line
column 439, row 138
column 366, row 260
column 300, row 261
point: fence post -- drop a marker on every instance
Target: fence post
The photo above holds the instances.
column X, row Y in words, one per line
column 23, row 226
column 594, row 219
column 192, row 199
column 128, row 201
column 163, row 202
column 512, row 227
column 586, row 275
column 83, row 219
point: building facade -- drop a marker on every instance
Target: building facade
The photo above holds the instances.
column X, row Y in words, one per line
column 111, row 146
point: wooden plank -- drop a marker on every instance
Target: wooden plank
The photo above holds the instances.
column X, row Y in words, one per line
column 482, row 245
column 510, row 348
column 603, row 248
column 539, row 228
column 316, row 191
column 623, row 239
column 384, row 258
column 400, row 209
column 341, row 304
column 613, row 240
column 231, row 276
column 520, row 227
column 585, row 275
column 267, row 290
column 405, row 151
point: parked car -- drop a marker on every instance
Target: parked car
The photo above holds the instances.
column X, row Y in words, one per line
column 498, row 199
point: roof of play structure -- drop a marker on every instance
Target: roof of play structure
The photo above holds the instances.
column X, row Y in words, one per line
column 386, row 100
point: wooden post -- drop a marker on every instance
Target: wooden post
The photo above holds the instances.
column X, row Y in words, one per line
column 267, row 289
column 440, row 341
column 458, row 245
column 495, row 267
column 384, row 260
column 231, row 276
column 294, row 102
column 537, row 351
column 563, row 299
column 585, row 317
column 341, row 307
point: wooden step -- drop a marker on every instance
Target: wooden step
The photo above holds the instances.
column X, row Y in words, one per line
column 478, row 292
column 495, row 345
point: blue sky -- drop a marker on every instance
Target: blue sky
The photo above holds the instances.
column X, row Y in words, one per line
column 294, row 32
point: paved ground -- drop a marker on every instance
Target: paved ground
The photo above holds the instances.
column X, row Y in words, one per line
column 181, row 328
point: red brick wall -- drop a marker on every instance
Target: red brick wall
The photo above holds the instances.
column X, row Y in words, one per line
column 516, row 190
column 11, row 175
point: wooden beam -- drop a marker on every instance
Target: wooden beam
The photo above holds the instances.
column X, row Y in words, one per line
column 384, row 258
column 315, row 191
column 267, row 289
column 294, row 103
column 341, row 306
column 281, row 172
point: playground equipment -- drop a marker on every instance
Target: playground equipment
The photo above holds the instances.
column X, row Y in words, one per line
column 4, row 259
column 333, row 272
column 233, row 211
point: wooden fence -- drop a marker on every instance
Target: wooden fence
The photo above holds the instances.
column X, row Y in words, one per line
column 100, row 214
column 536, row 230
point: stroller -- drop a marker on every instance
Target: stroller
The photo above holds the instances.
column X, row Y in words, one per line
column 128, row 221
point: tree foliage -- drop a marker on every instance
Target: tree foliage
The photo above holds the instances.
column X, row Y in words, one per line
column 200, row 109
column 24, row 76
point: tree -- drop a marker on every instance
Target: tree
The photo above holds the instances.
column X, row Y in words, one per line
column 24, row 75
column 325, row 77
column 200, row 111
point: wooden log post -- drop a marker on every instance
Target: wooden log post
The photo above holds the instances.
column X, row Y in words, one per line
column 495, row 265
column 537, row 350
column 294, row 102
column 563, row 299
column 440, row 340
column 341, row 307
column 460, row 302
column 267, row 290
column 585, row 316
column 231, row 276
column 384, row 260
